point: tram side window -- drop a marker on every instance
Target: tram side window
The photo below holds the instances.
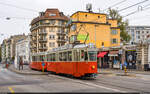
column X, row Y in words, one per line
column 82, row 55
column 53, row 57
column 41, row 58
column 64, row 57
column 70, row 56
column 60, row 56
column 37, row 58
column 77, row 55
column 85, row 56
column 48, row 57
column 33, row 58
column 92, row 55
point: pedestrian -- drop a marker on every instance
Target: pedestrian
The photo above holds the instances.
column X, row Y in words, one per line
column 20, row 63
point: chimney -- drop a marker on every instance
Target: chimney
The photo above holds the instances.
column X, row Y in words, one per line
column 61, row 14
column 41, row 14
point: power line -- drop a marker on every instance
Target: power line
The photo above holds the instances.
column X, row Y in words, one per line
column 115, row 4
column 10, row 5
column 136, row 12
column 132, row 5
column 9, row 18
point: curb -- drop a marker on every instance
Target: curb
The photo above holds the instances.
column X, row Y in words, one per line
column 105, row 73
column 27, row 73
column 122, row 74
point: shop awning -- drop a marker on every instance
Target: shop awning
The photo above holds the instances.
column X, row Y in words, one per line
column 101, row 54
column 113, row 53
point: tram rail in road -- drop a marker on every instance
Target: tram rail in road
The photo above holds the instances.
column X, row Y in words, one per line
column 86, row 83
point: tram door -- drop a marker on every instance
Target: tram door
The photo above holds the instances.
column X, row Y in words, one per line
column 76, row 59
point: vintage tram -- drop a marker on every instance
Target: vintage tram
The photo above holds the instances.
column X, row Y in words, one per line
column 78, row 61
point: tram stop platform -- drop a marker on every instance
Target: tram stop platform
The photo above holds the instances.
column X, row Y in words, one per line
column 26, row 70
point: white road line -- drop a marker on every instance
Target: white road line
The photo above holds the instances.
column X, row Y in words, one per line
column 90, row 84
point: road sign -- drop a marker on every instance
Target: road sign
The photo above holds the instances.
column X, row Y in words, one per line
column 125, row 63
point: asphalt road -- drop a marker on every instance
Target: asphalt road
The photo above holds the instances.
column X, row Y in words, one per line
column 12, row 82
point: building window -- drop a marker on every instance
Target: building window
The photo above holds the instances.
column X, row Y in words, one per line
column 42, row 30
column 52, row 44
column 147, row 31
column 102, row 43
column 114, row 41
column 51, row 29
column 52, row 37
column 52, row 14
column 59, row 22
column 98, row 16
column 142, row 31
column 86, row 15
column 114, row 32
column 137, row 32
column 52, row 22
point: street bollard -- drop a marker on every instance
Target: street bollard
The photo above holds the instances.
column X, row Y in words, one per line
column 125, row 70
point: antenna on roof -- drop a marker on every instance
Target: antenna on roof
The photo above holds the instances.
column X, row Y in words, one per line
column 89, row 7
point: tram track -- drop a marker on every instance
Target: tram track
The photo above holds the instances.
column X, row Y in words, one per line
column 85, row 82
column 132, row 81
column 115, row 85
column 96, row 82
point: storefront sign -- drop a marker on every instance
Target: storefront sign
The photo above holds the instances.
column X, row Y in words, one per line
column 112, row 54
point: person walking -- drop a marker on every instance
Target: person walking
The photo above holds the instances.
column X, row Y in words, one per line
column 20, row 63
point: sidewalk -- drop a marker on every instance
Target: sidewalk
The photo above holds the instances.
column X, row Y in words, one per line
column 118, row 71
column 26, row 70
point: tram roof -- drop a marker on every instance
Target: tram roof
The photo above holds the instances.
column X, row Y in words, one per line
column 67, row 47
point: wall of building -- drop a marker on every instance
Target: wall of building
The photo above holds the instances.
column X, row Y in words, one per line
column 100, row 31
column 138, row 33
column 23, row 50
column 45, row 29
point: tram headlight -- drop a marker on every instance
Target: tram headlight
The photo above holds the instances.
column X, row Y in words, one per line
column 93, row 67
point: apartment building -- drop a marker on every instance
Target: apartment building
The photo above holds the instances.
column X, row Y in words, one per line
column 8, row 47
column 23, row 50
column 3, row 50
column 138, row 33
column 48, row 30
column 90, row 27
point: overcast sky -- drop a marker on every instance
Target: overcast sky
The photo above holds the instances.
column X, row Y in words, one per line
column 21, row 18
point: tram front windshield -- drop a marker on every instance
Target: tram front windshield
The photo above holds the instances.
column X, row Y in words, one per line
column 92, row 55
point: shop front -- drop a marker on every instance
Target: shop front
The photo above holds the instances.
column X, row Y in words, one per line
column 131, row 59
column 103, row 59
column 130, row 56
column 114, row 59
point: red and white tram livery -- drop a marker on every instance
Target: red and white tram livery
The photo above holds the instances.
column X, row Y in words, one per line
column 78, row 61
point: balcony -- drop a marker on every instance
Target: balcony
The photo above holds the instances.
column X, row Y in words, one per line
column 42, row 48
column 45, row 25
column 61, row 33
column 61, row 40
column 42, row 40
column 42, row 33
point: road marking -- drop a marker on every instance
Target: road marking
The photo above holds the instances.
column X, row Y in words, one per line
column 85, row 83
column 11, row 90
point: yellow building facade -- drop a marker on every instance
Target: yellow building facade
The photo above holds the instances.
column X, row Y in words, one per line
column 89, row 27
